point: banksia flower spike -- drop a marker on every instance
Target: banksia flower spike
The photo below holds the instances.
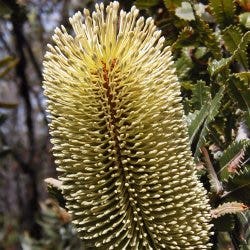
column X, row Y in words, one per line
column 120, row 142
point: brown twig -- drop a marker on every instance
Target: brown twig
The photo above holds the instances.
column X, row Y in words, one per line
column 216, row 184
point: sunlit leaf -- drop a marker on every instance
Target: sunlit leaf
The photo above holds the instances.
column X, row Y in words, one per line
column 185, row 11
column 245, row 19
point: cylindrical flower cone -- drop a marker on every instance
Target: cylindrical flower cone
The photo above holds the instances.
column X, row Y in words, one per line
column 120, row 142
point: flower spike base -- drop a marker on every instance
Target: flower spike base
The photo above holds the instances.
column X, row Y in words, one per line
column 120, row 143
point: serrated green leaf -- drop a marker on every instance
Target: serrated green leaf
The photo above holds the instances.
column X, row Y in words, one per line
column 197, row 121
column 241, row 85
column 232, row 37
column 244, row 77
column 238, row 185
column 215, row 67
column 207, row 36
column 230, row 159
column 183, row 65
column 236, row 96
column 215, row 105
column 201, row 94
column 184, row 38
column 223, row 11
column 202, row 139
column 213, row 111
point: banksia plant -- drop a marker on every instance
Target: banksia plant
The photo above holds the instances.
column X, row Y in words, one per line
column 120, row 141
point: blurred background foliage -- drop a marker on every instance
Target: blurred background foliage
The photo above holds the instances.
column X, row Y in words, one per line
column 210, row 45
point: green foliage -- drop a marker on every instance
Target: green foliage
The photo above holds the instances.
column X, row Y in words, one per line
column 201, row 94
column 239, row 186
column 232, row 36
column 241, row 82
column 184, row 38
column 240, row 91
column 245, row 19
column 183, row 64
column 223, row 11
column 231, row 158
column 213, row 110
column 207, row 37
column 220, row 66
column 196, row 121
column 207, row 110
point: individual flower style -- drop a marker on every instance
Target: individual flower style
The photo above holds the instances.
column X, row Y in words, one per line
column 120, row 143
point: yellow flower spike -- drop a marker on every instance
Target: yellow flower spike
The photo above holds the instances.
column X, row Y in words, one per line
column 120, row 143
